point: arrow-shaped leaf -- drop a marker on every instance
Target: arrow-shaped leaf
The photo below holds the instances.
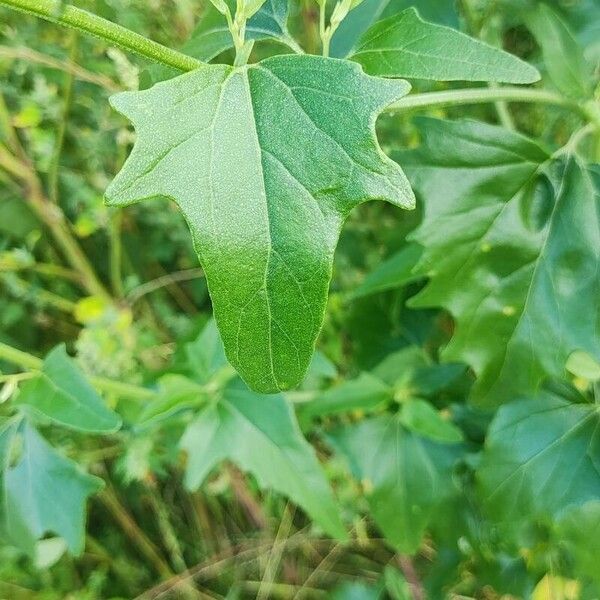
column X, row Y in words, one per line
column 266, row 162
column 261, row 435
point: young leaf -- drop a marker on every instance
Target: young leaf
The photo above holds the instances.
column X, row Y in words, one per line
column 365, row 393
column 392, row 273
column 212, row 36
column 406, row 46
column 541, row 457
column 63, row 394
column 423, row 419
column 406, row 477
column 562, row 54
column 523, row 288
column 42, row 491
column 260, row 435
column 266, row 162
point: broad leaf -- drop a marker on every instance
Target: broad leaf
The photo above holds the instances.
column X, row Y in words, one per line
column 63, row 394
column 541, row 457
column 512, row 244
column 406, row 46
column 266, row 162
column 205, row 355
column 42, row 491
column 562, row 54
column 260, row 435
column 406, row 478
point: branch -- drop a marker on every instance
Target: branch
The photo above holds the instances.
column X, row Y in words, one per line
column 81, row 20
column 485, row 95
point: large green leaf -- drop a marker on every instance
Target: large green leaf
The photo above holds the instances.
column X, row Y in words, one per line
column 406, row 478
column 63, row 394
column 260, row 435
column 563, row 57
column 406, row 46
column 512, row 244
column 42, row 491
column 541, row 457
column 266, row 162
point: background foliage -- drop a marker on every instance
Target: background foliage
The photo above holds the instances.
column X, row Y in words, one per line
column 444, row 442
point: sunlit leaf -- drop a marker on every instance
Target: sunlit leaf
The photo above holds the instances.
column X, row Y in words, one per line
column 266, row 162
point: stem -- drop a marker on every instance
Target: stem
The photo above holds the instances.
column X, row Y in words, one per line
column 116, row 253
column 485, row 95
column 28, row 361
column 70, row 16
column 323, row 29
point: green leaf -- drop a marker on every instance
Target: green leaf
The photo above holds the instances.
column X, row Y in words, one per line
column 260, row 435
column 175, row 393
column 63, row 394
column 406, row 478
column 370, row 11
column 406, row 46
column 205, row 355
column 365, row 393
column 394, row 272
column 266, row 162
column 502, row 254
column 211, row 36
column 577, row 532
column 563, row 57
column 42, row 491
column 541, row 457
column 422, row 418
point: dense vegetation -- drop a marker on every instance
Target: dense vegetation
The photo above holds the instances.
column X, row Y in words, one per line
column 160, row 441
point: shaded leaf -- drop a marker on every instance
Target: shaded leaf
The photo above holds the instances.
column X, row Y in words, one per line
column 394, row 272
column 563, row 57
column 260, row 435
column 423, row 419
column 211, row 36
column 406, row 46
column 266, row 162
column 406, row 478
column 524, row 297
column 365, row 393
column 42, row 491
column 541, row 457
column 62, row 393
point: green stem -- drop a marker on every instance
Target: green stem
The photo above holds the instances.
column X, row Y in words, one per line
column 81, row 20
column 485, row 95
column 28, row 361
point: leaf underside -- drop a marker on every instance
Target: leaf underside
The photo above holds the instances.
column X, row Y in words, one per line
column 265, row 162
column 511, row 246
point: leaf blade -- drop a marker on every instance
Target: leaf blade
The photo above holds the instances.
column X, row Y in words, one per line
column 436, row 52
